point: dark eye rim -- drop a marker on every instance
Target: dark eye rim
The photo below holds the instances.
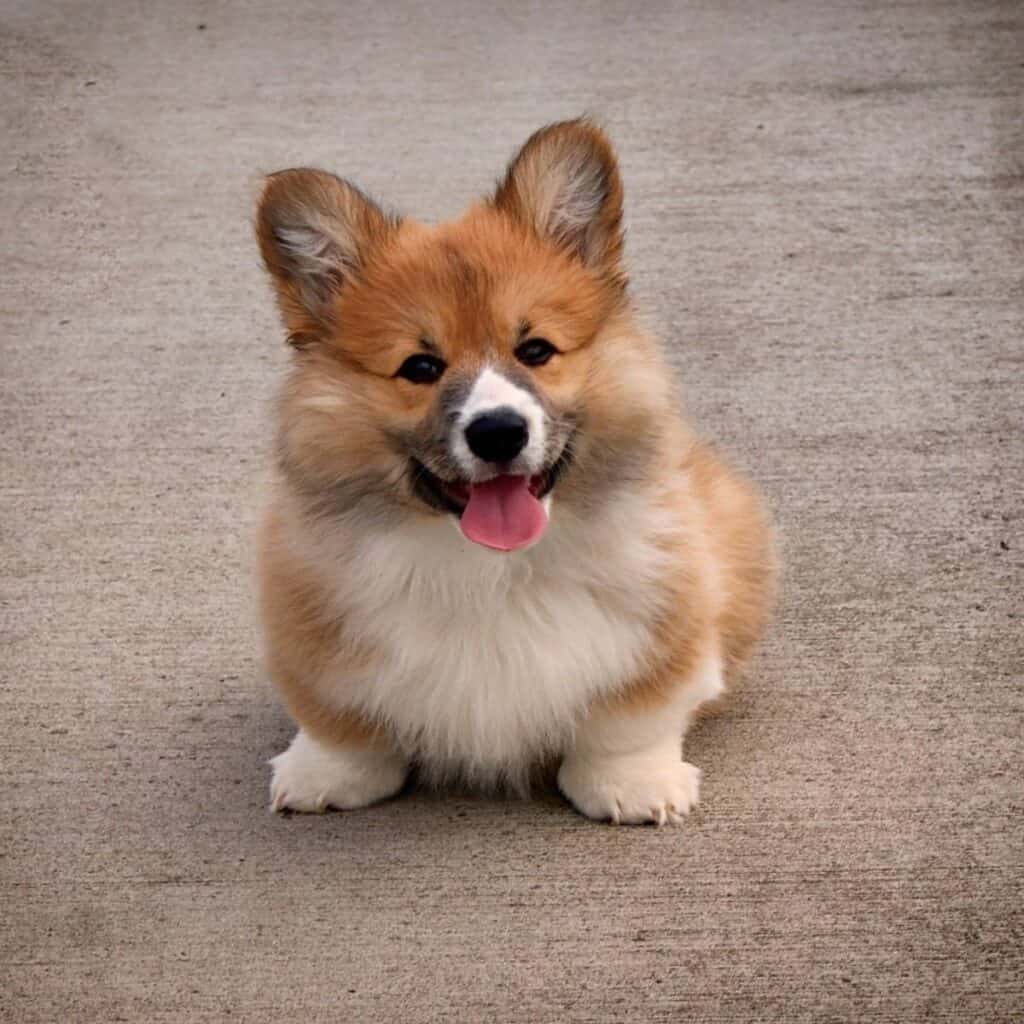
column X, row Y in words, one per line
column 541, row 346
column 433, row 366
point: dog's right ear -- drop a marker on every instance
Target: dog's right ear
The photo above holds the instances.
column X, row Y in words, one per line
column 315, row 232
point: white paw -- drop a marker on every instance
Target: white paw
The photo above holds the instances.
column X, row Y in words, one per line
column 309, row 776
column 631, row 789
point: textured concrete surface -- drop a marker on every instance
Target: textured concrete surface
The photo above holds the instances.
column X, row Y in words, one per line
column 825, row 207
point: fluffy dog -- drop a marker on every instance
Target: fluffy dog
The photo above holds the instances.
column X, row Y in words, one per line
column 492, row 540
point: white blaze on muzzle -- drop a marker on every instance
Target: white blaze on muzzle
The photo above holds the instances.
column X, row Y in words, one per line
column 492, row 392
column 499, row 441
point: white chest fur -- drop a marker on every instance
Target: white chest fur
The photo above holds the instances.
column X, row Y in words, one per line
column 487, row 660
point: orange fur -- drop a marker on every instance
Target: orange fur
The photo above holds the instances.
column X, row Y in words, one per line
column 725, row 588
column 304, row 640
column 360, row 291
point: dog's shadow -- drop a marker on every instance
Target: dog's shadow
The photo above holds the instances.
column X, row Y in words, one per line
column 240, row 732
column 234, row 738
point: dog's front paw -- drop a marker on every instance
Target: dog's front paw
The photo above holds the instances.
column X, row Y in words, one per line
column 631, row 789
column 309, row 776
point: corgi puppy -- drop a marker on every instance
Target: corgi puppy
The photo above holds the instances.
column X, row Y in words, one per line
column 491, row 541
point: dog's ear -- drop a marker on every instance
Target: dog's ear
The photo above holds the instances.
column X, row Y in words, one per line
column 565, row 184
column 315, row 232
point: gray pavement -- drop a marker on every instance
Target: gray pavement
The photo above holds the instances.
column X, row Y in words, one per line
column 825, row 221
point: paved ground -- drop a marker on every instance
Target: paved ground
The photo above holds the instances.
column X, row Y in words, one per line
column 825, row 207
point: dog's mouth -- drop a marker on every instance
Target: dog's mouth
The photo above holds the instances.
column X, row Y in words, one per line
column 505, row 513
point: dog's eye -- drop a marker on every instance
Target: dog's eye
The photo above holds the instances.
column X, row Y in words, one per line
column 535, row 351
column 421, row 369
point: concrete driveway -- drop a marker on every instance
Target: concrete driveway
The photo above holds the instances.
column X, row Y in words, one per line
column 825, row 220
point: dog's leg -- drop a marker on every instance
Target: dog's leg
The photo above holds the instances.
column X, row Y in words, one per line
column 626, row 764
column 312, row 776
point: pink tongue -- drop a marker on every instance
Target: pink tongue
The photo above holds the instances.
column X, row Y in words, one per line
column 503, row 514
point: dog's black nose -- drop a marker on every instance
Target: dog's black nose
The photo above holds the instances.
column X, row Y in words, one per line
column 497, row 436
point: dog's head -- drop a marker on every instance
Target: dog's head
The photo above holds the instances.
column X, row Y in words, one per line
column 476, row 368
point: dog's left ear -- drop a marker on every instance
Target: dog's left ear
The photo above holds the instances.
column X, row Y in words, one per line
column 565, row 184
